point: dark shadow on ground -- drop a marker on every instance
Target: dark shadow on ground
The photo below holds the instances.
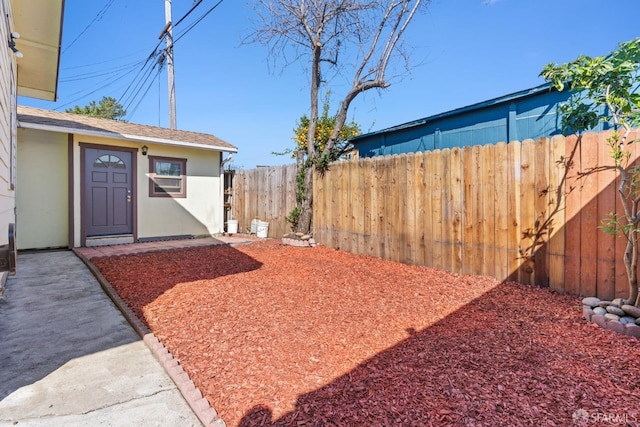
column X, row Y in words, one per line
column 518, row 355
column 54, row 311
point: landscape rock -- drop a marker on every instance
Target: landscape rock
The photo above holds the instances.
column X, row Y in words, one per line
column 627, row 319
column 599, row 320
column 615, row 310
column 611, row 316
column 604, row 303
column 600, row 310
column 638, row 321
column 618, row 302
column 588, row 312
column 616, row 326
column 591, row 301
column 633, row 330
column 305, row 237
column 631, row 310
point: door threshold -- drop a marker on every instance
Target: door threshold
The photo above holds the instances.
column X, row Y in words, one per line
column 122, row 239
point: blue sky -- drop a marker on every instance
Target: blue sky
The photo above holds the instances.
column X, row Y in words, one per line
column 465, row 51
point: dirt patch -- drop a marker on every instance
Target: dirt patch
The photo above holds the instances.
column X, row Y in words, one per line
column 278, row 335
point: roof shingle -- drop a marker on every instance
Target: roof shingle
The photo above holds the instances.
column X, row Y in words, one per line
column 30, row 117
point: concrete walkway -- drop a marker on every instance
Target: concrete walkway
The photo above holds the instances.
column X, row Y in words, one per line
column 69, row 358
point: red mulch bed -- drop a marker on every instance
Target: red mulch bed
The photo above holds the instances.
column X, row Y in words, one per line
column 285, row 336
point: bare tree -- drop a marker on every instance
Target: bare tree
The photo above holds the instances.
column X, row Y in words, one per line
column 342, row 36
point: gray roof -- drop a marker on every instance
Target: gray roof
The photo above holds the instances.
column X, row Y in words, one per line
column 55, row 121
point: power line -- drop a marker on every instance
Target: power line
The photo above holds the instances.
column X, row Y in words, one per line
column 135, row 53
column 95, row 74
column 145, row 92
column 108, row 83
column 139, row 86
column 161, row 56
column 185, row 32
column 197, row 3
column 98, row 17
column 141, row 83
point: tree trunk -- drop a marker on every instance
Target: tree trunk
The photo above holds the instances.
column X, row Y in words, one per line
column 631, row 264
column 306, row 205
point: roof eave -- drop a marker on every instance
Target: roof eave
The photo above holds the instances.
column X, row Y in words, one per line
column 127, row 137
column 39, row 23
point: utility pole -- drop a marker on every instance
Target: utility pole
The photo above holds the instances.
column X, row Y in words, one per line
column 168, row 29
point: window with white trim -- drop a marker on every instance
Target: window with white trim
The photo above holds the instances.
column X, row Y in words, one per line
column 167, row 177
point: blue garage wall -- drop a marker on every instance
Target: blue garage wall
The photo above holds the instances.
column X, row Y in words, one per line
column 527, row 114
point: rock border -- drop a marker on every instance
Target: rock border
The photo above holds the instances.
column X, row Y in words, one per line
column 613, row 315
column 299, row 239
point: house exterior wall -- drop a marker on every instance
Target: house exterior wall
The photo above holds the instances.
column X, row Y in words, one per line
column 530, row 116
column 42, row 201
column 200, row 213
column 7, row 125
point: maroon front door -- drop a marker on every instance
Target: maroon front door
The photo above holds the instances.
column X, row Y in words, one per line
column 108, row 197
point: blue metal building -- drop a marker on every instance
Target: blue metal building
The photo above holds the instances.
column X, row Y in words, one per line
column 531, row 113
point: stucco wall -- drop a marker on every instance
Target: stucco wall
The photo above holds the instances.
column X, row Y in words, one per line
column 200, row 213
column 42, row 201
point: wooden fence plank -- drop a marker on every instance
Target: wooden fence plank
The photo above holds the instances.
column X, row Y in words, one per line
column 437, row 194
column 477, row 266
column 420, row 195
column 394, row 197
column 346, row 216
column 606, row 266
column 589, row 233
column 527, row 216
column 374, row 189
column 358, row 203
column 367, row 172
column 488, row 217
column 428, row 219
column 457, row 225
column 542, row 211
column 447, row 214
column 502, row 211
column 469, row 176
column 386, row 228
column 572, row 212
column 381, row 163
column 410, row 232
column 556, row 216
column 514, row 180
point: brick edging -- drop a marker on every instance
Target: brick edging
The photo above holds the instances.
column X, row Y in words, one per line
column 193, row 396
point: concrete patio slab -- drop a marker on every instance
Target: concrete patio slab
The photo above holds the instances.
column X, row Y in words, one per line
column 70, row 358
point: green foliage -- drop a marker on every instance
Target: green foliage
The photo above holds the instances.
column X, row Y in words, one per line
column 300, row 187
column 294, row 216
column 606, row 90
column 608, row 81
column 107, row 108
column 324, row 127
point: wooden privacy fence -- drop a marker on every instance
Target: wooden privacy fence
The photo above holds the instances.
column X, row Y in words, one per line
column 267, row 194
column 525, row 211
